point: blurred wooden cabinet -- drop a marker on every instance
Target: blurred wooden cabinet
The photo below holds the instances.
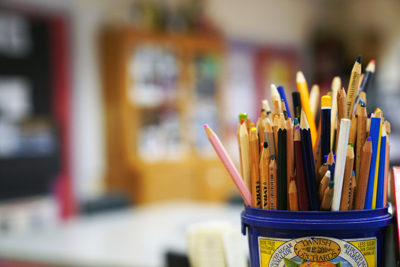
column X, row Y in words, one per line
column 159, row 90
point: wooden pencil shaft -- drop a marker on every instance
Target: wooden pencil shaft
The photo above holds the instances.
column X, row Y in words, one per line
column 348, row 169
column 353, row 186
column 323, row 185
column 273, row 184
column 361, row 137
column 327, row 199
column 341, row 103
column 353, row 88
column 264, row 177
column 254, row 165
column 353, row 130
column 245, row 154
column 321, row 172
column 293, row 198
column 336, row 85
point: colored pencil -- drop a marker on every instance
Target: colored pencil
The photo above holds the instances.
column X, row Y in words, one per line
column 340, row 162
column 381, row 171
column 264, row 176
column 269, row 137
column 245, row 154
column 314, row 100
column 276, row 101
column 300, row 175
column 302, row 87
column 325, row 125
column 336, row 85
column 348, row 169
column 388, row 129
column 353, row 86
column 289, row 149
column 362, row 183
column 327, row 198
column 282, row 94
column 242, row 118
column 353, row 130
column 293, row 198
column 324, row 184
column 308, row 160
column 369, row 73
column 321, row 172
column 282, row 164
column 353, row 186
column 273, row 184
column 296, row 104
column 230, row 167
column 361, row 135
column 375, row 133
column 255, row 169
column 341, row 103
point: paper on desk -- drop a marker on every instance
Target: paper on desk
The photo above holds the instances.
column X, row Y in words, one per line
column 215, row 244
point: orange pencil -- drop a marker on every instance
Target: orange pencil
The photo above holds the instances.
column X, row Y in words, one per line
column 289, row 150
column 365, row 163
column 302, row 87
column 293, row 198
column 361, row 134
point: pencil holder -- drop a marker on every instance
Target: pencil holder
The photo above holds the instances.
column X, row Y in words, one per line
column 315, row 238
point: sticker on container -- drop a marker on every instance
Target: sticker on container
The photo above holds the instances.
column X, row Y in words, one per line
column 317, row 251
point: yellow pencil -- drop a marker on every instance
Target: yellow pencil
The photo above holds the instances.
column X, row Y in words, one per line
column 302, row 87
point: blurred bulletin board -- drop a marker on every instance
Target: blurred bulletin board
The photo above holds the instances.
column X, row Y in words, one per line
column 275, row 65
column 251, row 68
column 34, row 103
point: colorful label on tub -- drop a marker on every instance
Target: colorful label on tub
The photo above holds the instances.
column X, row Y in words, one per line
column 317, row 251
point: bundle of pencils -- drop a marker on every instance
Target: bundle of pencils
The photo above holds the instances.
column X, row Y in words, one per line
column 288, row 163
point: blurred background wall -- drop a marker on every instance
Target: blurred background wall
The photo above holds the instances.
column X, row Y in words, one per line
column 325, row 37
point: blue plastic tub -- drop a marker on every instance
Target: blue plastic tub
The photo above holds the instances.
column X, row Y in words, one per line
column 321, row 238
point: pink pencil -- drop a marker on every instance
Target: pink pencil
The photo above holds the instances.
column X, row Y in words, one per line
column 230, row 167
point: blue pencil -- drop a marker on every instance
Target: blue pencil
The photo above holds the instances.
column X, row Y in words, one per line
column 281, row 92
column 381, row 174
column 374, row 133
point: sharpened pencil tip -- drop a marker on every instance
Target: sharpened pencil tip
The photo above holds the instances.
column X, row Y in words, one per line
column 300, row 77
column 358, row 59
column 369, row 138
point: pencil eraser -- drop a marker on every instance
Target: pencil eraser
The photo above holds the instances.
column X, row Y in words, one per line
column 205, row 125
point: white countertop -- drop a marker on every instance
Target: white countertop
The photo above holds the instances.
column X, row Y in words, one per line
column 135, row 237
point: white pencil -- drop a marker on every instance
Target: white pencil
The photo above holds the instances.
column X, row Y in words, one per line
column 340, row 162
